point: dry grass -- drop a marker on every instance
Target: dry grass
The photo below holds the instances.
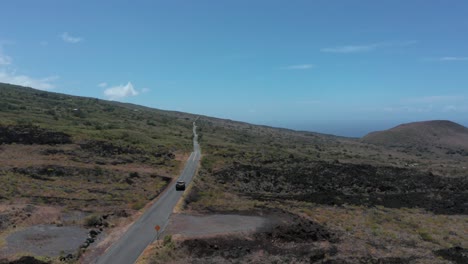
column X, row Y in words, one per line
column 383, row 231
column 204, row 194
column 161, row 251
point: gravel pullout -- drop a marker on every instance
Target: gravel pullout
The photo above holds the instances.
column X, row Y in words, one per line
column 192, row 225
column 45, row 240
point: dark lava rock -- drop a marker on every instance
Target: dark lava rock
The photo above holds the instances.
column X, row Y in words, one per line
column 93, row 233
column 53, row 171
column 32, row 135
column 121, row 213
column 299, row 230
column 108, row 149
column 4, row 221
column 84, row 245
column 276, row 242
column 238, row 250
column 129, row 181
column 337, row 184
column 25, row 260
column 456, row 254
column 316, row 256
column 67, row 257
column 370, row 260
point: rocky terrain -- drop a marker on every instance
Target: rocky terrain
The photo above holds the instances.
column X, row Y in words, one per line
column 31, row 135
column 81, row 162
column 285, row 243
column 338, row 184
column 289, row 238
column 383, row 204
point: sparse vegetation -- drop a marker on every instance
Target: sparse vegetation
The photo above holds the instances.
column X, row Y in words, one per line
column 92, row 220
column 397, row 203
column 248, row 168
column 83, row 154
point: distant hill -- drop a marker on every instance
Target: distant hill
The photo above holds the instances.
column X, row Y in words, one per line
column 438, row 133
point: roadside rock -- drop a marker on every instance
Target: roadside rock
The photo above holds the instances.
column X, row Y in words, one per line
column 67, row 257
column 298, row 230
column 24, row 260
column 455, row 254
column 32, row 135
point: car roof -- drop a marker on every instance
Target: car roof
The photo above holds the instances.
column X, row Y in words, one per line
column 180, row 182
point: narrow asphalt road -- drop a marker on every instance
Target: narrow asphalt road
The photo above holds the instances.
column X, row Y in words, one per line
column 129, row 247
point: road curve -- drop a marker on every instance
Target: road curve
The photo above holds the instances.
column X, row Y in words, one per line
column 142, row 233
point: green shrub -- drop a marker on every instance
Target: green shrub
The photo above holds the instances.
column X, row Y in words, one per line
column 425, row 236
column 168, row 242
column 92, row 220
column 138, row 205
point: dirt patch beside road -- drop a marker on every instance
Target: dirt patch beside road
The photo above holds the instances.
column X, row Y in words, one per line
column 206, row 225
column 261, row 237
column 45, row 240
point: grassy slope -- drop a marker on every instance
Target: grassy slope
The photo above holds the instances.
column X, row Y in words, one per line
column 120, row 156
column 90, row 118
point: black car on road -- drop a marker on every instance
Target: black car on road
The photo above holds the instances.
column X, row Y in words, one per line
column 180, row 186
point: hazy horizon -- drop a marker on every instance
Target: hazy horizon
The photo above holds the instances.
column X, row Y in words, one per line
column 337, row 67
column 344, row 128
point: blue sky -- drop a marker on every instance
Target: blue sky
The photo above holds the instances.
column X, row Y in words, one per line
column 340, row 67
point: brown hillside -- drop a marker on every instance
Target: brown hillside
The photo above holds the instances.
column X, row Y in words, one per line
column 437, row 133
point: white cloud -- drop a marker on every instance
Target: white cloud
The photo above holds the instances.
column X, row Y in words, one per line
column 23, row 80
column 366, row 47
column 434, row 99
column 449, row 108
column 4, row 59
column 350, row 48
column 300, row 67
column 70, row 39
column 434, row 103
column 120, row 91
column 453, row 59
column 455, row 108
column 11, row 77
column 408, row 109
column 309, row 102
column 145, row 90
column 102, row 85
